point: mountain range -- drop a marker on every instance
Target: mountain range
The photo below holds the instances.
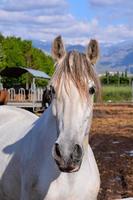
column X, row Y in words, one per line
column 113, row 57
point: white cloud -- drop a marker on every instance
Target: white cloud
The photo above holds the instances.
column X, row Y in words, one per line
column 16, row 5
column 110, row 2
column 114, row 33
column 43, row 20
column 41, row 26
column 117, row 9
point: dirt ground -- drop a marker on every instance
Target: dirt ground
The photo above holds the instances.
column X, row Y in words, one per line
column 111, row 139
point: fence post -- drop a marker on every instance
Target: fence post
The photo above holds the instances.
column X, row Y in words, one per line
column 12, row 94
column 22, row 94
column 33, row 87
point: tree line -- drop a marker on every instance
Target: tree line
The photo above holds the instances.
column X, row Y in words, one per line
column 118, row 78
column 15, row 52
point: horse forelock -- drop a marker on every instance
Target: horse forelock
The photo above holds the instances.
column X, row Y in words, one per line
column 75, row 67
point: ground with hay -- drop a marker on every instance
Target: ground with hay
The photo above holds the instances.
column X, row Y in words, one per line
column 112, row 142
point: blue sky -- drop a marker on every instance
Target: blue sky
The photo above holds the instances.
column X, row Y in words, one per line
column 80, row 9
column 109, row 21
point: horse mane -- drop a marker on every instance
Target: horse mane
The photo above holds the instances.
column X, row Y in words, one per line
column 75, row 67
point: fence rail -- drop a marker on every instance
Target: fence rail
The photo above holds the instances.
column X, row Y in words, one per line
column 24, row 95
column 25, row 98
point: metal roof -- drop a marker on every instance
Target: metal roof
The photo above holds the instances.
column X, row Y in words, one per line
column 37, row 73
column 18, row 71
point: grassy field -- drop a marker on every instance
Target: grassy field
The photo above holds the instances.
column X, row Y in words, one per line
column 116, row 94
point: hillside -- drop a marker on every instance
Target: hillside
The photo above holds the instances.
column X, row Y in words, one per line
column 114, row 57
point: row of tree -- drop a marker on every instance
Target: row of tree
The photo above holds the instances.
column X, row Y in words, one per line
column 119, row 78
column 15, row 52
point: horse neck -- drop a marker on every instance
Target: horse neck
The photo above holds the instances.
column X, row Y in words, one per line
column 46, row 126
column 46, row 129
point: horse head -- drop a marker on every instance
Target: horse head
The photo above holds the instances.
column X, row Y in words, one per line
column 75, row 83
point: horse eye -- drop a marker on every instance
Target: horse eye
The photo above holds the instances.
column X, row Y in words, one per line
column 92, row 90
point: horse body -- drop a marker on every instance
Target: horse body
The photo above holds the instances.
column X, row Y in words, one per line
column 14, row 123
column 49, row 158
column 3, row 97
column 27, row 163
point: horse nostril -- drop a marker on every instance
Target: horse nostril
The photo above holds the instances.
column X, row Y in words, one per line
column 57, row 150
column 77, row 152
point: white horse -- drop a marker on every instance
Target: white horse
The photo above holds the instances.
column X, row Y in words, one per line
column 49, row 158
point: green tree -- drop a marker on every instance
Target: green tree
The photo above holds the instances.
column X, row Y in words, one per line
column 15, row 52
column 2, row 57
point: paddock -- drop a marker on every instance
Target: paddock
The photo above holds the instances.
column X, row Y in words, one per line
column 112, row 142
column 113, row 158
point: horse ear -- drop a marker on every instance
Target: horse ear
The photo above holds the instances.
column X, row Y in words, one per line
column 58, row 49
column 93, row 51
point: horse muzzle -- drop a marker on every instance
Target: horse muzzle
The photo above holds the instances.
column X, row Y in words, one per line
column 67, row 163
column 69, row 169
